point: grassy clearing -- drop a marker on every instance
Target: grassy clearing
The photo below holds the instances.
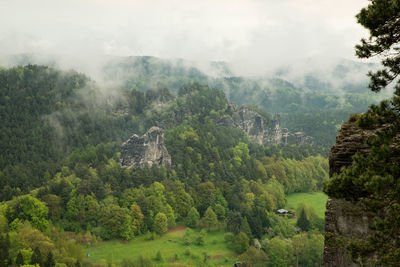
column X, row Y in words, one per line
column 317, row 200
column 172, row 249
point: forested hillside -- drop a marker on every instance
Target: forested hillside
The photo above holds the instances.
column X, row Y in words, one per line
column 316, row 101
column 61, row 178
column 313, row 102
column 199, row 133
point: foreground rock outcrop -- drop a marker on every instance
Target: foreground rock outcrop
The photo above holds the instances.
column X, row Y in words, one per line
column 345, row 219
column 147, row 150
column 260, row 130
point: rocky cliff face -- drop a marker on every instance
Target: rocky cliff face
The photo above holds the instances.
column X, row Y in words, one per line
column 145, row 150
column 252, row 123
column 349, row 141
column 345, row 219
column 246, row 120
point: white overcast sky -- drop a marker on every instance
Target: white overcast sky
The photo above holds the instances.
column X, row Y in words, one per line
column 257, row 32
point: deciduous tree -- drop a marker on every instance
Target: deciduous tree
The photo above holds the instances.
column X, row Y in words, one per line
column 160, row 225
column 241, row 243
column 30, row 209
column 192, row 218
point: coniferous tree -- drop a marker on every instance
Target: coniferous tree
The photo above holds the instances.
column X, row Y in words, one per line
column 20, row 259
column 201, row 238
column 160, row 225
column 245, row 227
column 303, row 222
column 192, row 218
column 233, row 222
column 209, row 219
column 220, row 211
column 36, row 257
column 50, row 262
column 381, row 19
column 4, row 248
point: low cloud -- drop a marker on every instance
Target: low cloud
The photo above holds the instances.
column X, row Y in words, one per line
column 256, row 35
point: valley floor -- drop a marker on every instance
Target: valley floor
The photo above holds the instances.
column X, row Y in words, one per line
column 170, row 246
column 173, row 250
column 317, row 200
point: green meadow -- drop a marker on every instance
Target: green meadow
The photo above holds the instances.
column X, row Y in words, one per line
column 173, row 250
column 171, row 247
column 317, row 200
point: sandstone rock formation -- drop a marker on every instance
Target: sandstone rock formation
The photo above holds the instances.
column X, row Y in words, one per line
column 260, row 131
column 345, row 219
column 147, row 150
column 350, row 140
column 246, row 120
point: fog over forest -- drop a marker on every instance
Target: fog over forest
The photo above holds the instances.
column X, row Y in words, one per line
column 199, row 133
column 256, row 36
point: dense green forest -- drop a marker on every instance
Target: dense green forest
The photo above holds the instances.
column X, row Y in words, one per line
column 61, row 178
column 313, row 105
column 217, row 197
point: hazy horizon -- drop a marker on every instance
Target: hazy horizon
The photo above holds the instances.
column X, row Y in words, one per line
column 254, row 35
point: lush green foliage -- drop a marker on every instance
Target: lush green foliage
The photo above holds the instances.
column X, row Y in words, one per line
column 71, row 114
column 160, row 225
column 318, row 114
column 193, row 218
column 46, row 114
column 302, row 250
column 209, row 219
column 316, row 106
column 69, row 178
column 241, row 243
column 27, row 208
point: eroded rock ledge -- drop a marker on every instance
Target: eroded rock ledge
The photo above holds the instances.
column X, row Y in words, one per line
column 147, row 150
column 252, row 123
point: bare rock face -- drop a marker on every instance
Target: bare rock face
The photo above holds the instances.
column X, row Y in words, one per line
column 246, row 120
column 145, row 150
column 345, row 219
column 252, row 123
column 350, row 140
column 275, row 134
